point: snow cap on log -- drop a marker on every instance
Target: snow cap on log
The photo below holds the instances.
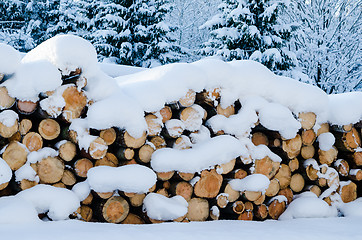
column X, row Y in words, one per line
column 205, row 155
column 130, row 178
column 254, row 183
column 345, row 108
column 159, row 207
column 5, row 172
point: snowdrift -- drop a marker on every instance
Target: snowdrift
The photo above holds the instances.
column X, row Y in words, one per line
column 180, row 142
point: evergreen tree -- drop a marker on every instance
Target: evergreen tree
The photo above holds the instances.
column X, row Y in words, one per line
column 134, row 32
column 248, row 29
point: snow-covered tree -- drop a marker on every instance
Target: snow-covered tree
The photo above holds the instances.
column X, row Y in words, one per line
column 248, row 29
column 328, row 42
column 133, row 32
column 188, row 16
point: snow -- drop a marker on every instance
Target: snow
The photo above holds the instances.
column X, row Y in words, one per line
column 115, row 70
column 14, row 210
column 308, row 205
column 215, row 151
column 33, row 78
column 159, row 207
column 326, row 141
column 130, row 178
column 5, row 172
column 8, row 117
column 253, row 183
column 296, row 229
column 10, row 63
column 59, row 203
column 345, row 108
column 352, row 209
column 82, row 190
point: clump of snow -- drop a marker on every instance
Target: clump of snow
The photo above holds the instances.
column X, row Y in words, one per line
column 81, row 189
column 175, row 127
column 254, row 183
column 194, row 180
column 203, row 134
column 279, row 118
column 326, row 141
column 159, row 207
column 14, row 210
column 58, row 202
column 308, row 205
column 345, row 108
column 5, row 172
column 130, row 178
column 279, row 198
column 215, row 211
column 215, row 151
column 8, row 117
column 26, row 171
column 311, row 162
column 9, row 60
column 351, row 209
column 33, row 78
column 55, row 103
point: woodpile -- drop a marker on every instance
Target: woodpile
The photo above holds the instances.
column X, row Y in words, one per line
column 304, row 166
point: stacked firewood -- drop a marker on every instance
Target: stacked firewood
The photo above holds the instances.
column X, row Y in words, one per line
column 304, row 166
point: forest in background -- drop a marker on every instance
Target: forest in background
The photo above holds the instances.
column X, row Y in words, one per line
column 314, row 41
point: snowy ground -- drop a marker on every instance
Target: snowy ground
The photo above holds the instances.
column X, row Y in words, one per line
column 297, row 229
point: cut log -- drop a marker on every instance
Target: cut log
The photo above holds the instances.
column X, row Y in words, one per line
column 109, row 160
column 59, row 185
column 307, row 119
column 226, row 167
column 214, row 213
column 26, row 184
column 261, row 212
column 273, row 188
column 284, row 176
column 238, row 207
column 164, row 192
column 104, row 195
column 125, row 153
column 324, row 128
column 348, row 191
column 276, row 208
column 260, row 200
column 133, row 219
column 288, row 193
column 5, row 100
column 75, row 102
column 82, row 166
column 115, row 209
column 227, row 112
column 24, row 126
column 232, row 194
column 355, row 174
column 342, row 167
column 15, row 155
column 188, row 100
column 259, row 138
column 186, row 176
column 145, row 153
column 297, row 182
column 33, row 141
column 164, row 176
column 137, row 200
column 348, row 141
column 183, row 189
column 307, row 152
column 3, row 186
column 49, row 129
column 209, row 184
column 68, row 178
column 50, row 170
column 67, row 150
column 357, row 158
column 198, row 209
column 85, row 213
column 88, row 200
column 108, row 135
column 15, row 137
column 294, row 164
column 166, row 113
column 98, row 148
column 328, row 157
column 26, row 107
column 311, row 173
column 182, row 142
column 7, row 132
column 222, row 200
column 158, row 142
column 251, row 195
column 192, row 118
column 154, row 126
column 308, row 137
column 209, row 97
column 246, row 216
column 266, row 166
column 173, row 128
column 292, row 146
column 238, row 174
column 127, row 140
column 314, row 189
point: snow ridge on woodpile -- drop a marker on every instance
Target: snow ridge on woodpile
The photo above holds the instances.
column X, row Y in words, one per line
column 182, row 142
